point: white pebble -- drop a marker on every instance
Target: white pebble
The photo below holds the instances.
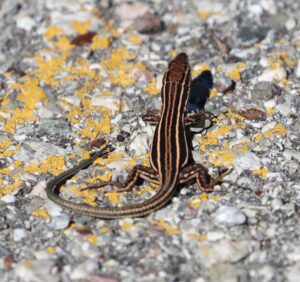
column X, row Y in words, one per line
column 8, row 199
column 109, row 102
column 284, row 109
column 246, row 161
column 60, row 221
column 297, row 72
column 290, row 24
column 270, row 75
column 140, row 144
column 227, row 216
column 19, row 234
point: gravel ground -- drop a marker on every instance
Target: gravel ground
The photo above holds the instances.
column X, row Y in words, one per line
column 76, row 73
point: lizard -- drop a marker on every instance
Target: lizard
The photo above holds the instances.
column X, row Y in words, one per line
column 169, row 159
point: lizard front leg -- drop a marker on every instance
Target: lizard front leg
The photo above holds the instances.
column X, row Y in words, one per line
column 189, row 119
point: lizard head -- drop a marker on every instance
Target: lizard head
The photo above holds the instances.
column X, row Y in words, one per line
column 178, row 69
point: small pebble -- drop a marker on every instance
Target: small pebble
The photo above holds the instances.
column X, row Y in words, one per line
column 228, row 216
column 19, row 234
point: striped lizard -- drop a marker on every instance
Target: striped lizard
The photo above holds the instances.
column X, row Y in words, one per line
column 170, row 154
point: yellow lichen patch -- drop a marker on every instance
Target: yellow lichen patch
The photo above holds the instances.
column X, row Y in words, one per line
column 197, row 236
column 173, row 53
column 119, row 72
column 52, row 31
column 114, row 197
column 5, row 170
column 87, row 195
column 104, row 177
column 204, row 15
column 122, row 77
column 215, row 198
column 92, row 129
column 48, row 69
column 221, row 157
column 110, row 158
column 50, row 250
column 234, row 73
column 11, row 151
column 105, row 229
column 277, row 130
column 42, row 213
column 161, row 224
column 206, row 251
column 19, row 116
column 212, row 137
column 63, row 44
column 81, row 70
column 135, row 39
column 92, row 239
column 27, row 263
column 81, row 27
column 9, row 188
column 284, row 56
column 199, row 68
column 100, row 42
column 195, row 203
column 282, row 41
column 32, row 168
column 146, row 189
column 4, row 144
column 270, row 111
column 151, row 87
column 117, row 58
column 126, row 224
column 17, row 163
column 263, row 172
column 213, row 92
column 243, row 147
column 30, row 93
column 53, row 165
column 109, row 27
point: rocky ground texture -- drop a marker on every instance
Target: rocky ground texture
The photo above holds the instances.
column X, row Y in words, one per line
column 74, row 74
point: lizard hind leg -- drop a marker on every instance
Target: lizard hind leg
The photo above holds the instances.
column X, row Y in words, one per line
column 204, row 181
